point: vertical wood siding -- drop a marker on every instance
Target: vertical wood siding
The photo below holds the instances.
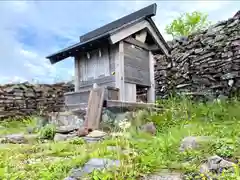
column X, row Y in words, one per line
column 98, row 69
column 98, row 64
column 136, row 65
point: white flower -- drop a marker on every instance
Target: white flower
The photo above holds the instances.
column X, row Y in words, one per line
column 124, row 124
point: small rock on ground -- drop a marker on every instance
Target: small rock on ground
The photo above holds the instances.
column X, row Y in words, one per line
column 92, row 139
column 64, row 137
column 193, row 142
column 215, row 164
column 90, row 166
column 82, row 132
column 149, row 128
column 14, row 139
column 96, row 134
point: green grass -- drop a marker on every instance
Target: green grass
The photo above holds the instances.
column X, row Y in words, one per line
column 11, row 126
column 147, row 154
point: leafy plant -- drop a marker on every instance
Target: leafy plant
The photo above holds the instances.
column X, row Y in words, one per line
column 187, row 24
column 77, row 141
column 224, row 148
column 48, row 132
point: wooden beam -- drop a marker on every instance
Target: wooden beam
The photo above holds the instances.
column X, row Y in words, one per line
column 153, row 48
column 113, row 103
column 128, row 31
column 151, row 91
column 124, row 33
column 141, row 36
column 77, row 74
column 158, row 40
column 135, row 42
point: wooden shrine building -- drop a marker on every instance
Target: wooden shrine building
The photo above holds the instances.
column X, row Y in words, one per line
column 117, row 56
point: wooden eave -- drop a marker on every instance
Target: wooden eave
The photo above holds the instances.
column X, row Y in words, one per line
column 94, row 39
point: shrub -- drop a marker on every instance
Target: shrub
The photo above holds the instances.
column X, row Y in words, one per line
column 48, row 132
column 224, row 148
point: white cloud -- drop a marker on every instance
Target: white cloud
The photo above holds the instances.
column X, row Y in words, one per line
column 28, row 54
column 19, row 6
column 207, row 6
column 43, row 70
column 30, row 30
column 12, row 79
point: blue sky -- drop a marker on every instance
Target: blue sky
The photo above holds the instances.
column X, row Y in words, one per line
column 30, row 30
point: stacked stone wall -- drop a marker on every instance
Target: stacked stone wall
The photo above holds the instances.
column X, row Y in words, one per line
column 27, row 99
column 207, row 62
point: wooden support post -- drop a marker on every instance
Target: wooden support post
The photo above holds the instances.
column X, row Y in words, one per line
column 130, row 92
column 119, row 62
column 77, row 74
column 151, row 91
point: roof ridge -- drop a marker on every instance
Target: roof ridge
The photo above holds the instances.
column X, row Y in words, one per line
column 148, row 11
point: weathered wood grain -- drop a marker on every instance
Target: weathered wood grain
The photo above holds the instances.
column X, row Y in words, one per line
column 136, row 65
column 113, row 103
column 94, row 110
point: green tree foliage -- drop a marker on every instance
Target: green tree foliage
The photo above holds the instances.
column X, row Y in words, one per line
column 187, row 24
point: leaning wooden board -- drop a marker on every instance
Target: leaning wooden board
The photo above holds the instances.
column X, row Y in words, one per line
column 94, row 110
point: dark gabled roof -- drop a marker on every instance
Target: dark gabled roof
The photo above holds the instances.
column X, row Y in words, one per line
column 94, row 38
column 148, row 11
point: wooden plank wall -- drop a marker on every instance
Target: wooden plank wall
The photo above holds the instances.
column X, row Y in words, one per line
column 106, row 78
column 76, row 97
column 136, row 65
column 113, row 51
column 97, row 66
column 102, row 81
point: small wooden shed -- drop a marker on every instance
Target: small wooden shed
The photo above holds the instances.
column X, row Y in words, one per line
column 117, row 56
